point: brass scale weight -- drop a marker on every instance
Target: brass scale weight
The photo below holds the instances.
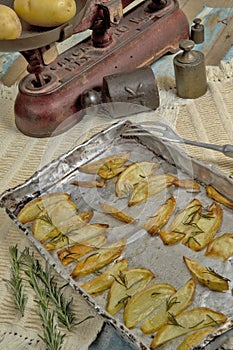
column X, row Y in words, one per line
column 49, row 97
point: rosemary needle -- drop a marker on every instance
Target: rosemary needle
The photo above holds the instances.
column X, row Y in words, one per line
column 16, row 282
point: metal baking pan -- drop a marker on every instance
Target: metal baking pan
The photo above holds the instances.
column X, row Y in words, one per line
column 142, row 249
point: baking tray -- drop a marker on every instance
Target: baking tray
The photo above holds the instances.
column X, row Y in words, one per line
column 142, row 250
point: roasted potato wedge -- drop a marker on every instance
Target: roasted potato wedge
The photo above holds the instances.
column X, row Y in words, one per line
column 117, row 213
column 205, row 228
column 194, row 338
column 154, row 184
column 33, row 208
column 207, row 277
column 188, row 184
column 105, row 280
column 77, row 236
column 218, row 197
column 174, row 305
column 71, row 254
column 132, row 175
column 126, row 284
column 160, row 217
column 220, row 248
column 47, row 226
column 89, row 184
column 141, row 304
column 99, row 259
column 106, row 167
column 187, row 322
column 184, row 221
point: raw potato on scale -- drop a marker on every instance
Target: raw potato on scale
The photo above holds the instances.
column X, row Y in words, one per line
column 10, row 25
column 45, row 13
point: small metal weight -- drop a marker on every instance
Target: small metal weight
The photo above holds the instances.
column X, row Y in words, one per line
column 137, row 86
column 197, row 31
column 190, row 71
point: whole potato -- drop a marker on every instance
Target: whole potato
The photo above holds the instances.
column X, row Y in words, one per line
column 45, row 13
column 10, row 25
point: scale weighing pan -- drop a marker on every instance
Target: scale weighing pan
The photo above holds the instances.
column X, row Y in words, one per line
column 33, row 37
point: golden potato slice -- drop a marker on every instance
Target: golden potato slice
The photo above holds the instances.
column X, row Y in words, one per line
column 174, row 305
column 220, row 248
column 218, row 197
column 33, row 208
column 89, row 184
column 73, row 253
column 105, row 280
column 132, row 175
column 187, row 322
column 189, row 184
column 154, row 184
column 194, row 338
column 117, row 213
column 160, row 217
column 184, row 221
column 126, row 284
column 106, row 167
column 99, row 259
column 141, row 304
column 48, row 227
column 207, row 277
column 205, row 228
column 77, row 236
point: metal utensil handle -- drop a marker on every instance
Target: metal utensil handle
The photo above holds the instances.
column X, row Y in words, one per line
column 227, row 150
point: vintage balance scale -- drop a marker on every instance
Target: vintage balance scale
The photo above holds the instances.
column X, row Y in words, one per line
column 51, row 94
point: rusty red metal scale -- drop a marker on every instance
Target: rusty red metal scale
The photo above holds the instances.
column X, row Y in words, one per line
column 48, row 101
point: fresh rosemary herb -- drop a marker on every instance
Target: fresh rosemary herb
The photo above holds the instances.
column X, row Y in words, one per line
column 197, row 324
column 153, row 295
column 173, row 321
column 121, row 279
column 52, row 337
column 123, row 300
column 42, row 281
column 214, row 273
column 212, row 321
column 16, row 282
column 170, row 302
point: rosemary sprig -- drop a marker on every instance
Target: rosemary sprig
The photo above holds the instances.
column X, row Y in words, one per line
column 52, row 337
column 170, row 302
column 121, row 279
column 173, row 321
column 16, row 282
column 216, row 274
column 42, row 281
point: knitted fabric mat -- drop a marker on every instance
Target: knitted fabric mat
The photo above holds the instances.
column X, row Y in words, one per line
column 208, row 118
